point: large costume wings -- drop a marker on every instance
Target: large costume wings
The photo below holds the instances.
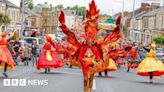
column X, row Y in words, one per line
column 115, row 35
column 71, row 38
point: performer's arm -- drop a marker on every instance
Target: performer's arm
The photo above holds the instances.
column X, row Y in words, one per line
column 147, row 49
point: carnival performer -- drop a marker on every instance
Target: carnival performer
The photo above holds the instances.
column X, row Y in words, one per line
column 151, row 66
column 111, row 64
column 6, row 60
column 132, row 62
column 89, row 53
column 49, row 58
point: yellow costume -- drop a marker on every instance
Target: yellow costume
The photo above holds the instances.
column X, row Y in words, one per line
column 151, row 64
column 112, row 65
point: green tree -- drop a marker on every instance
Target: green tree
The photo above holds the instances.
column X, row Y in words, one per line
column 60, row 6
column 79, row 10
column 159, row 40
column 4, row 19
column 68, row 8
column 29, row 4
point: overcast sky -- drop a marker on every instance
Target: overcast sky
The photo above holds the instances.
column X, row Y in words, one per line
column 105, row 6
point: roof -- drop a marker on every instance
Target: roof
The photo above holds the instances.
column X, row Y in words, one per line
column 139, row 15
column 29, row 12
column 151, row 13
column 10, row 4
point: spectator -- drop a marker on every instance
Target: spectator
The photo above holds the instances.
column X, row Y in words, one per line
column 16, row 46
column 34, row 53
column 26, row 54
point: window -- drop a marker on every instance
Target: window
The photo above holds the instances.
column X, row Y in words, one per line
column 29, row 40
column 40, row 41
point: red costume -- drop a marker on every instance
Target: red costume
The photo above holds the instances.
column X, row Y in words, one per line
column 132, row 63
column 49, row 58
column 5, row 55
column 89, row 53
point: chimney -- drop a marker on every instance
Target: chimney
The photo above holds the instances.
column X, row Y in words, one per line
column 145, row 6
column 155, row 5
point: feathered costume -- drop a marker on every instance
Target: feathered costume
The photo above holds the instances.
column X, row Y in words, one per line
column 49, row 58
column 89, row 54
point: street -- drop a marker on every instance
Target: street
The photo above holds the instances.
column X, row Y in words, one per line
column 70, row 80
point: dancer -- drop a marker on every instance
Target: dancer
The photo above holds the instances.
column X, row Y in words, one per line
column 151, row 66
column 89, row 53
column 132, row 62
column 49, row 57
column 111, row 64
column 6, row 60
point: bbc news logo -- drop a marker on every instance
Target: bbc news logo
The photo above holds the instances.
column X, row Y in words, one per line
column 24, row 82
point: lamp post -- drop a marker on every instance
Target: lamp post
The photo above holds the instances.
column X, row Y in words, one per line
column 123, row 17
column 22, row 29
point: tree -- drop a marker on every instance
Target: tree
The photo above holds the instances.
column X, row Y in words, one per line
column 68, row 8
column 29, row 4
column 159, row 40
column 79, row 10
column 4, row 19
column 60, row 6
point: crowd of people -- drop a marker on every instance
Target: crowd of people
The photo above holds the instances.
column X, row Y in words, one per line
column 22, row 52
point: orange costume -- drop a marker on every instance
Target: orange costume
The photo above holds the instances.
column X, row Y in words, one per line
column 5, row 55
column 89, row 53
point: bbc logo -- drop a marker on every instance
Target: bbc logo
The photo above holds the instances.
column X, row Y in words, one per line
column 14, row 82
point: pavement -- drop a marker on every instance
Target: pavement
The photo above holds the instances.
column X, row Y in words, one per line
column 71, row 79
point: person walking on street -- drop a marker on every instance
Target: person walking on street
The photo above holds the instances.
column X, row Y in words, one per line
column 26, row 54
column 34, row 53
column 16, row 47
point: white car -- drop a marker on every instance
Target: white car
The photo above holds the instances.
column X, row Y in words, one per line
column 38, row 41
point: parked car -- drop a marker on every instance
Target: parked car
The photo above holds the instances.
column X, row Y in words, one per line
column 39, row 42
column 23, row 42
column 160, row 54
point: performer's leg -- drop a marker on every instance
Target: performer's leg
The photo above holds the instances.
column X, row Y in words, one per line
column 27, row 61
column 91, row 82
column 85, row 83
column 5, row 69
column 35, row 59
column 100, row 74
column 128, row 66
column 48, row 69
column 45, row 70
column 70, row 66
column 32, row 58
column 106, row 72
column 151, row 77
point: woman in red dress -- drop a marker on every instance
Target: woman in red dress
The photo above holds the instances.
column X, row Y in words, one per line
column 49, row 58
column 6, row 60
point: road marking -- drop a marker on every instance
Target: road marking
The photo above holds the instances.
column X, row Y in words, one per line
column 94, row 85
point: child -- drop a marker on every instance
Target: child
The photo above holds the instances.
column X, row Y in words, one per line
column 26, row 54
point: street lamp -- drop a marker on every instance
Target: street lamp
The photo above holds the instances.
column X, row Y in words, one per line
column 133, row 9
column 123, row 3
column 22, row 18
